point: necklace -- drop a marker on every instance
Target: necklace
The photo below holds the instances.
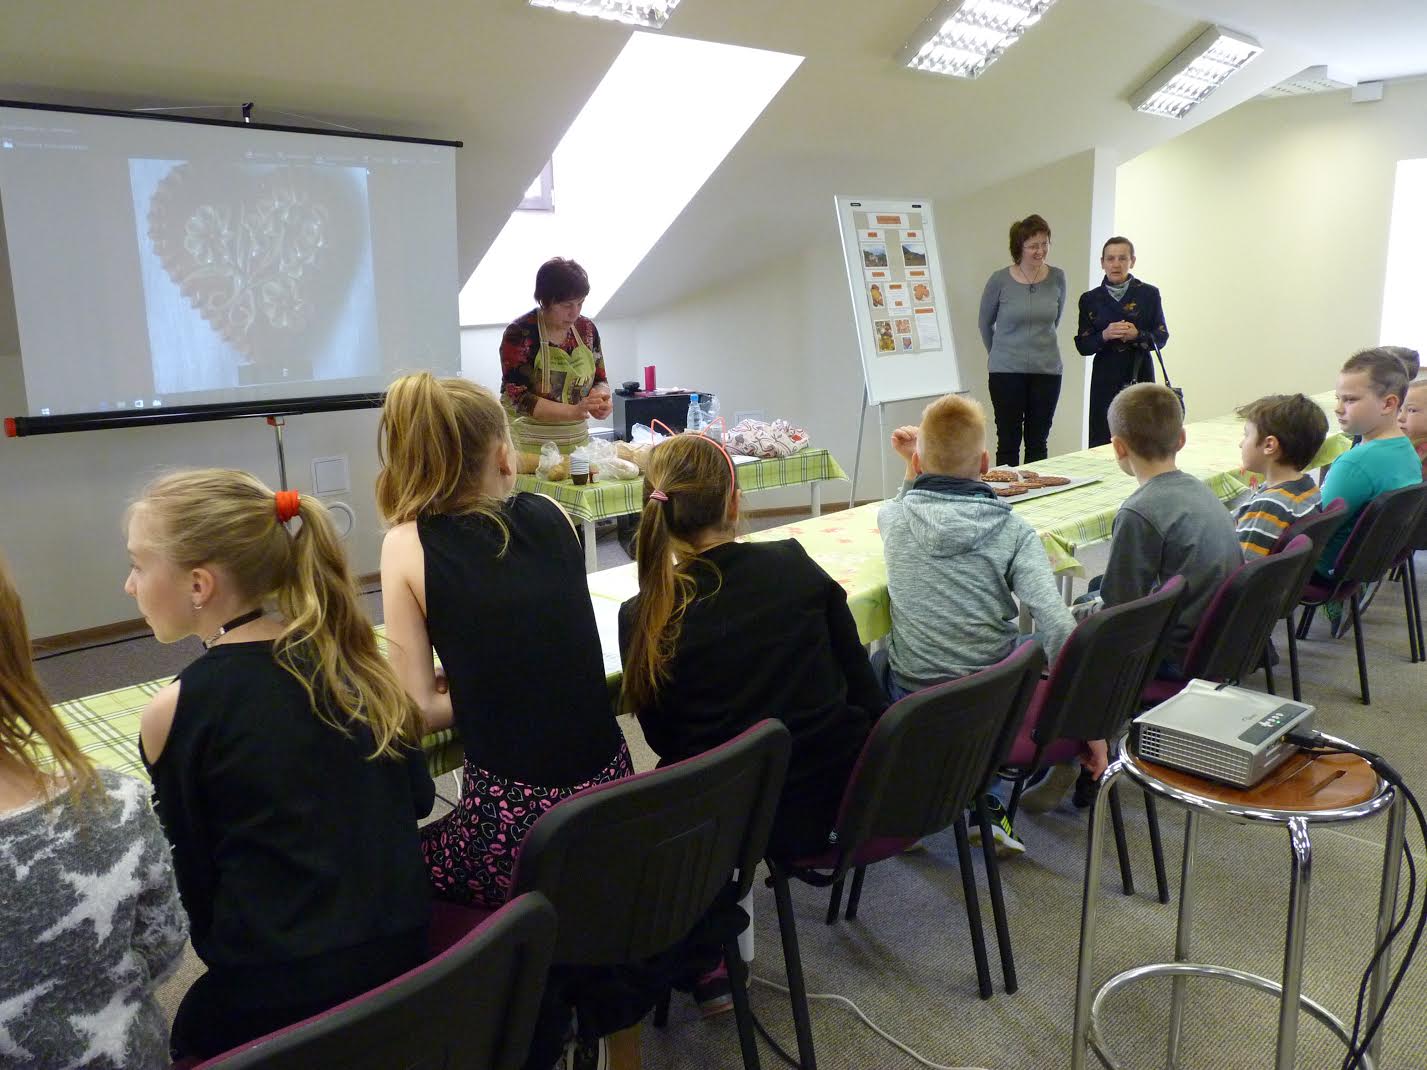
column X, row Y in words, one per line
column 236, row 622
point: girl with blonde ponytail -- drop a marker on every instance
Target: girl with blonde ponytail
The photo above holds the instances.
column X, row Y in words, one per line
column 286, row 759
column 71, row 835
column 723, row 634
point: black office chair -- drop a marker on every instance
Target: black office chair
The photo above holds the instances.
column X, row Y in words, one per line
column 634, row 865
column 1406, row 567
column 1378, row 537
column 927, row 758
column 1319, row 527
column 474, row 1004
column 1092, row 692
column 1233, row 631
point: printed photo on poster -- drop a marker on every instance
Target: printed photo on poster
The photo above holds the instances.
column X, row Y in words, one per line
column 903, row 326
column 874, row 254
column 875, row 296
column 886, row 342
column 928, row 333
column 906, row 342
column 921, row 293
column 914, row 253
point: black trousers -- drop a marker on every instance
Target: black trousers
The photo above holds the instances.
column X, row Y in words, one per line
column 1110, row 374
column 1024, row 404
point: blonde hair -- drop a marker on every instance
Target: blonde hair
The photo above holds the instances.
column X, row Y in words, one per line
column 692, row 473
column 228, row 520
column 434, row 440
column 31, row 735
column 1148, row 418
column 952, row 437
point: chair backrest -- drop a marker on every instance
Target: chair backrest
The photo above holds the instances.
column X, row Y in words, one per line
column 929, row 754
column 472, row 1005
column 1228, row 644
column 1095, row 684
column 1381, row 532
column 632, row 865
column 1320, row 526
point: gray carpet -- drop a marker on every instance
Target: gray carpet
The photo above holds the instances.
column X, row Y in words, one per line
column 906, row 961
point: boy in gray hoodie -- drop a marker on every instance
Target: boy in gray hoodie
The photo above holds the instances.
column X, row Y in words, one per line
column 958, row 557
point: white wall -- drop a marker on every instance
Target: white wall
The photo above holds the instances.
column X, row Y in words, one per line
column 1266, row 229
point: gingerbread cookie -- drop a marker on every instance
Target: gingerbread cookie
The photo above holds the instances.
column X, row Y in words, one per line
column 1008, row 490
column 1000, row 475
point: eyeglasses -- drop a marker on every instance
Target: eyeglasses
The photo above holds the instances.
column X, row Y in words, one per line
column 1037, row 246
column 656, row 424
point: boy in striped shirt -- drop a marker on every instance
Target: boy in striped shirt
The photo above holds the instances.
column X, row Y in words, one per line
column 1282, row 434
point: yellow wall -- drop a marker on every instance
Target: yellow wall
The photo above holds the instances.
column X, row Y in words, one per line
column 1266, row 229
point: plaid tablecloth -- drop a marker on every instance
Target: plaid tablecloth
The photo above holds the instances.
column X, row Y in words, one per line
column 618, row 497
column 845, row 543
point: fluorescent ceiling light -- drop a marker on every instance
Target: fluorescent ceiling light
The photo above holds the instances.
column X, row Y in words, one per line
column 649, row 13
column 1195, row 73
column 964, row 37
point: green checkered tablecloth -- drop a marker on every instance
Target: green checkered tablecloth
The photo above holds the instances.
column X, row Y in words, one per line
column 600, row 501
column 845, row 543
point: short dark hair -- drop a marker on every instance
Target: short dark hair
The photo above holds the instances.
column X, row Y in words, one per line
column 1384, row 369
column 1411, row 359
column 560, row 280
column 1117, row 240
column 1148, row 417
column 1024, row 229
column 1294, row 419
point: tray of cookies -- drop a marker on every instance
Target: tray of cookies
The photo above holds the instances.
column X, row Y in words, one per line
column 1023, row 484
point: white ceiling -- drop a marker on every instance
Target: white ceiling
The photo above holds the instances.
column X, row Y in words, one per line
column 507, row 79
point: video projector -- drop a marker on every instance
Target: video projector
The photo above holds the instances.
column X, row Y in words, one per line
column 1223, row 733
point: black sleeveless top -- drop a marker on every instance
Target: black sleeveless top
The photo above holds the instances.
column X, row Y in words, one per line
column 517, row 637
column 297, row 855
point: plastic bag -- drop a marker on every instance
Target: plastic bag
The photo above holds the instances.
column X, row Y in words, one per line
column 549, row 460
column 605, row 462
column 643, row 434
column 753, row 438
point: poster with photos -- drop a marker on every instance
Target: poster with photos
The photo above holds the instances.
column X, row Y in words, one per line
column 900, row 306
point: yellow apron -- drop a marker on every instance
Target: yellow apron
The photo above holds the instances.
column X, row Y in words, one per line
column 566, row 378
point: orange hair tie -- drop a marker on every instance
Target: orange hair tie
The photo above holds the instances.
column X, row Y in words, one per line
column 288, row 504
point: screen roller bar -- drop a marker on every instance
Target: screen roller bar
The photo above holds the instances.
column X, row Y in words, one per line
column 23, row 426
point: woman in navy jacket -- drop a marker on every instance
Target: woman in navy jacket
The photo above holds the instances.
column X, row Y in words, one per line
column 1117, row 320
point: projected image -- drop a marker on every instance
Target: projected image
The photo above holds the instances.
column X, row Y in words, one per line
column 255, row 274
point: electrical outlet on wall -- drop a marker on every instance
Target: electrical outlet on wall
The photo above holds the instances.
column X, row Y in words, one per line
column 330, row 475
column 750, row 414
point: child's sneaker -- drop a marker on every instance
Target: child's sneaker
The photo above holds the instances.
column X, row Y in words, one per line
column 1338, row 621
column 1001, row 831
column 713, row 992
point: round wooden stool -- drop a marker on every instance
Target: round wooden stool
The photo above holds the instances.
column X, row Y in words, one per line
column 1306, row 790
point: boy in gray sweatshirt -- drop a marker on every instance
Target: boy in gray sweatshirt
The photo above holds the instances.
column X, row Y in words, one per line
column 958, row 557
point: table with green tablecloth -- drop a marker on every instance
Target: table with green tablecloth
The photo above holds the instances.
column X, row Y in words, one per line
column 845, row 543
column 620, row 497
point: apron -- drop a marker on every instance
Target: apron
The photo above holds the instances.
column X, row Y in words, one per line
column 566, row 378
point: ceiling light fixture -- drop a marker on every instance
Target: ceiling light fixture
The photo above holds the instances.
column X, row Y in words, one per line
column 964, row 37
column 651, row 14
column 1195, row 73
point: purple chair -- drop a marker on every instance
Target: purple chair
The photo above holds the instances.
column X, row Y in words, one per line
column 1092, row 693
column 1319, row 527
column 632, row 866
column 1378, row 538
column 473, row 1004
column 1406, row 567
column 1234, row 629
column 926, row 760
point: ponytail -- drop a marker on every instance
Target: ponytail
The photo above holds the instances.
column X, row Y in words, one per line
column 229, row 519
column 687, row 485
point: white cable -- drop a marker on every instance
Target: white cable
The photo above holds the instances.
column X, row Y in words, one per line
column 888, row 1037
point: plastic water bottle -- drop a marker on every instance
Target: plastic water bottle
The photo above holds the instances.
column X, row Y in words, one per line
column 695, row 420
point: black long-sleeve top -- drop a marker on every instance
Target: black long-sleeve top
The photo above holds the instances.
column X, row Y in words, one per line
column 769, row 635
column 1141, row 306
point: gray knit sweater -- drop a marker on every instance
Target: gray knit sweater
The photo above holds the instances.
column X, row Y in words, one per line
column 90, row 923
column 1018, row 323
column 957, row 560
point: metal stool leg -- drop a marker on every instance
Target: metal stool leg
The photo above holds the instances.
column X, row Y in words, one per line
column 1089, row 903
column 1289, row 1008
column 1386, row 914
column 1182, row 934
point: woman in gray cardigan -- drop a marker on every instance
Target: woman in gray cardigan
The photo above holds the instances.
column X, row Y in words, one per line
column 1020, row 311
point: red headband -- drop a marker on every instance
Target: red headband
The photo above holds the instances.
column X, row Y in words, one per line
column 288, row 504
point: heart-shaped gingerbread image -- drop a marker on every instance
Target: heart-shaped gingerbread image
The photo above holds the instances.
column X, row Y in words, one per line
column 264, row 254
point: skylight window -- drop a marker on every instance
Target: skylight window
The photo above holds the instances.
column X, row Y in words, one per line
column 662, row 119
